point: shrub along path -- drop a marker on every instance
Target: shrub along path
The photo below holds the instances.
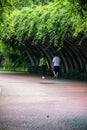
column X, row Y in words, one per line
column 30, row 103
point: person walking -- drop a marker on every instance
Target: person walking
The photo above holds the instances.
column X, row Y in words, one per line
column 56, row 65
column 43, row 63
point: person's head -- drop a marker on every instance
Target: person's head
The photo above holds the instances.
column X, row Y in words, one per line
column 44, row 56
column 56, row 54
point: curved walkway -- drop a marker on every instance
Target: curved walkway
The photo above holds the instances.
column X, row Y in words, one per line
column 30, row 103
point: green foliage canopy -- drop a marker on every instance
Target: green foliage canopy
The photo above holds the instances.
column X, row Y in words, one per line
column 53, row 21
column 38, row 22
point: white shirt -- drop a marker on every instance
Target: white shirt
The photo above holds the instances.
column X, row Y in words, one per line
column 56, row 61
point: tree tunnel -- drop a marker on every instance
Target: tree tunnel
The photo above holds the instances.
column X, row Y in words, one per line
column 73, row 56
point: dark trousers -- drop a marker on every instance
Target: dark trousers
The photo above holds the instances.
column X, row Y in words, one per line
column 43, row 69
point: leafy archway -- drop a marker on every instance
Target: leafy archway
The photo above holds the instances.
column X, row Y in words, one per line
column 48, row 23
